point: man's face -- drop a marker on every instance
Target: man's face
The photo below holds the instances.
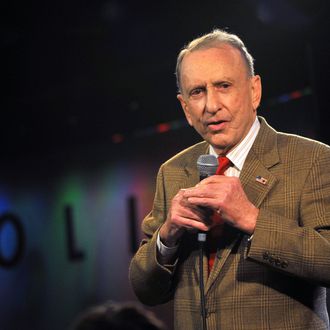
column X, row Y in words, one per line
column 218, row 97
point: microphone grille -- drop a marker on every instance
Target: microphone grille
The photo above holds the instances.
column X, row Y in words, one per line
column 207, row 165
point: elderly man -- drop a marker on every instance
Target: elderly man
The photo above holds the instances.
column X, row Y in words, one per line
column 267, row 256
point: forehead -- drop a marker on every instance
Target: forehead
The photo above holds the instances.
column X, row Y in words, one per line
column 223, row 60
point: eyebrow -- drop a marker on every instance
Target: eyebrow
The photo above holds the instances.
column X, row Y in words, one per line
column 214, row 83
column 197, row 86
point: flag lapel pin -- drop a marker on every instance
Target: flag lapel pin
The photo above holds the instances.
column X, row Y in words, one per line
column 261, row 180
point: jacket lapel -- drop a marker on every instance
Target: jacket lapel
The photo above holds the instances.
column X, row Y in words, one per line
column 220, row 260
column 256, row 177
column 190, row 167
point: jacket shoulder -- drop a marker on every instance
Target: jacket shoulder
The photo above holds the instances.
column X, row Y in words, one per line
column 305, row 145
column 271, row 145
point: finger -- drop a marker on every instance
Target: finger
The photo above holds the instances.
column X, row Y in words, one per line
column 194, row 225
column 193, row 212
column 202, row 191
column 205, row 202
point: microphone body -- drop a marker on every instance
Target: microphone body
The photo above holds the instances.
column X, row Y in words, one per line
column 207, row 165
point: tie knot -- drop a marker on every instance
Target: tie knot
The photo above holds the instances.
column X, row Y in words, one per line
column 224, row 163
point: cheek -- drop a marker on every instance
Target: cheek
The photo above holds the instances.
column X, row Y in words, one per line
column 232, row 103
column 240, row 109
column 196, row 111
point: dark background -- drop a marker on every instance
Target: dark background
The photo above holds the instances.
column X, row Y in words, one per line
column 78, row 72
column 86, row 89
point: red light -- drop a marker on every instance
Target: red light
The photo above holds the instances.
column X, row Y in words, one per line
column 296, row 95
column 117, row 138
column 162, row 128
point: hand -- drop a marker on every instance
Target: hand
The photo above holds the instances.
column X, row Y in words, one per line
column 226, row 195
column 182, row 216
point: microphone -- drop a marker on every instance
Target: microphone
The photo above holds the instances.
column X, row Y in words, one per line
column 207, row 165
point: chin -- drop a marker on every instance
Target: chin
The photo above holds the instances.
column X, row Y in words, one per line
column 217, row 142
column 220, row 144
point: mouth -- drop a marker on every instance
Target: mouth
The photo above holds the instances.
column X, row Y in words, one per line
column 216, row 125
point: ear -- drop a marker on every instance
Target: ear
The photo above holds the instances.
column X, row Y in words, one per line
column 185, row 108
column 256, row 91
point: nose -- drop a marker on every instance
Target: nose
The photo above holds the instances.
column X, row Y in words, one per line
column 213, row 103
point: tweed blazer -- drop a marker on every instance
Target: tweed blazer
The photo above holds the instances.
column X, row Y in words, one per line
column 278, row 279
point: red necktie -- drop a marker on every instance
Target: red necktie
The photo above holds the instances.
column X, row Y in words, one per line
column 223, row 165
column 217, row 231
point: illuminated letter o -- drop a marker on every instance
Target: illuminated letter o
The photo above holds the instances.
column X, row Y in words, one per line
column 14, row 221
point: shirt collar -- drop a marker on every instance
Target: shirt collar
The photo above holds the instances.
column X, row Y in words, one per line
column 238, row 155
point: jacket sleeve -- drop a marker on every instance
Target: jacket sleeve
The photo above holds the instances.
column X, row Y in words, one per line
column 151, row 281
column 299, row 245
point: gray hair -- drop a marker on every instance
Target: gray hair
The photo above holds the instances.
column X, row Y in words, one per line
column 214, row 39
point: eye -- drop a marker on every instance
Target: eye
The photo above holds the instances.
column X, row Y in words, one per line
column 223, row 85
column 196, row 91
